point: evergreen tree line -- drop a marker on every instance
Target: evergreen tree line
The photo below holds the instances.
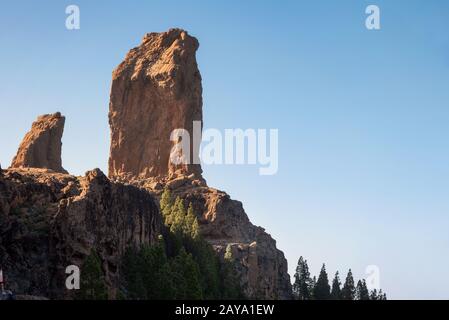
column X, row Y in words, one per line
column 307, row 288
column 182, row 265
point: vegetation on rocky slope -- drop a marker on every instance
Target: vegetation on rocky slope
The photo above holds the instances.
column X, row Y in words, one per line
column 307, row 288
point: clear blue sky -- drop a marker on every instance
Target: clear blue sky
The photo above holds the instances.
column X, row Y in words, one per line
column 362, row 115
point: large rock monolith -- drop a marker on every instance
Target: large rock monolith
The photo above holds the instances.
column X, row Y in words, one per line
column 155, row 90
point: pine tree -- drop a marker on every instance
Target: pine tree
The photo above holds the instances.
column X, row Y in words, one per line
column 361, row 292
column 348, row 291
column 382, row 296
column 336, row 288
column 194, row 270
column 365, row 292
column 302, row 285
column 155, row 272
column 228, row 253
column 132, row 275
column 178, row 216
column 186, row 277
column 209, row 265
column 192, row 223
column 312, row 288
column 166, row 199
column 322, row 288
column 166, row 204
column 373, row 295
column 92, row 282
column 231, row 284
column 178, row 223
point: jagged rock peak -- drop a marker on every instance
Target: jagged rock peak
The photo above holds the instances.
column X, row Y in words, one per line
column 155, row 90
column 41, row 146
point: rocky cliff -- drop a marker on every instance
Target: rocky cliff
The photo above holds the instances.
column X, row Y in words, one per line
column 156, row 90
column 41, row 146
column 49, row 221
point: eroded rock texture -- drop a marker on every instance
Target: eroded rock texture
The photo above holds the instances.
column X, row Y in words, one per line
column 41, row 146
column 155, row 90
column 49, row 221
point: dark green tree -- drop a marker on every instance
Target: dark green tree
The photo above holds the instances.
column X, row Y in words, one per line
column 322, row 290
column 147, row 273
column 186, row 277
column 336, row 287
column 133, row 276
column 373, row 295
column 166, row 199
column 192, row 228
column 181, row 266
column 155, row 271
column 382, row 296
column 166, row 204
column 302, row 285
column 178, row 214
column 92, row 282
column 312, row 287
column 230, row 283
column 348, row 291
column 361, row 292
column 209, row 266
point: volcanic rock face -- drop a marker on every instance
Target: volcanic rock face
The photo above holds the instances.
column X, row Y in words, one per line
column 41, row 146
column 155, row 90
column 49, row 221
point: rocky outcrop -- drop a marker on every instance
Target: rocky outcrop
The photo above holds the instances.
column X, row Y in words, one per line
column 49, row 221
column 41, row 146
column 155, row 90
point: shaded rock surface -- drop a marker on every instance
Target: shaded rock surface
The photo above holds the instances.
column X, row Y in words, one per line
column 49, row 221
column 41, row 146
